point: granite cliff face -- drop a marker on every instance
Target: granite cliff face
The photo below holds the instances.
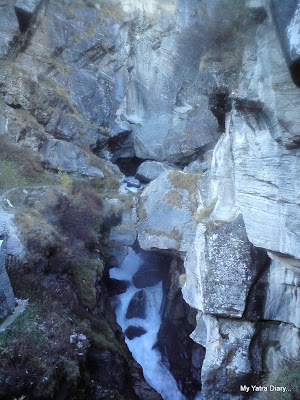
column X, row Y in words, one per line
column 201, row 100
column 248, row 197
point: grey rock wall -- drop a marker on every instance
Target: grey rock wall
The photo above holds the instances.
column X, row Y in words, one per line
column 86, row 69
column 253, row 176
column 154, row 80
column 286, row 16
column 7, row 299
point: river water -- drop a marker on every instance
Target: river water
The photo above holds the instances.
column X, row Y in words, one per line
column 156, row 374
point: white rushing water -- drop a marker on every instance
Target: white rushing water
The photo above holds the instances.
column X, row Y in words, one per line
column 156, row 374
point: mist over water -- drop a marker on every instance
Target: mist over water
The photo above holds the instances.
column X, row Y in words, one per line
column 156, row 374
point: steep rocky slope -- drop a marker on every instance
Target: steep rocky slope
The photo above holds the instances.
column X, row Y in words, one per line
column 247, row 299
column 199, row 98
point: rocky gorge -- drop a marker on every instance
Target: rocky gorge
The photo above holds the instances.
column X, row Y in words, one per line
column 149, row 177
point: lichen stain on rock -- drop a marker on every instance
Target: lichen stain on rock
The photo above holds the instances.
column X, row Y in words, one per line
column 184, row 181
column 174, row 198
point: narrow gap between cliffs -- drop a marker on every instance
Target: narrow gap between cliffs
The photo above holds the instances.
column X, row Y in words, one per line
column 155, row 319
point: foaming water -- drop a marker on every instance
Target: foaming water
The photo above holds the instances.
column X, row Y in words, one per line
column 156, row 374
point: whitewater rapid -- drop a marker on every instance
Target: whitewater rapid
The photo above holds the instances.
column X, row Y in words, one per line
column 156, row 374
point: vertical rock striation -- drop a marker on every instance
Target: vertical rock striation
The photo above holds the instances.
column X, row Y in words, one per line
column 89, row 83
column 242, row 259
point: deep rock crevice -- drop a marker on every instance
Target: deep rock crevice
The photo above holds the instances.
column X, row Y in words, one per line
column 199, row 101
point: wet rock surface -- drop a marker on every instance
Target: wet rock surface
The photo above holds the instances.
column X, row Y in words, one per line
column 115, row 286
column 178, row 322
column 137, row 306
column 133, row 182
column 134, row 331
column 152, row 270
column 147, row 276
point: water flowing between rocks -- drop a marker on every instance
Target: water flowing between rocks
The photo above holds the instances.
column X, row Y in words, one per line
column 142, row 347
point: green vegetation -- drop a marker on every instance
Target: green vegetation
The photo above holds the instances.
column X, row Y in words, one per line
column 226, row 34
column 64, row 226
column 85, row 275
column 36, row 346
column 106, row 10
column 109, row 10
column 288, row 375
column 175, row 234
column 99, row 332
column 182, row 180
column 174, row 198
column 65, row 179
column 19, row 167
column 29, row 347
column 110, row 182
column 204, row 62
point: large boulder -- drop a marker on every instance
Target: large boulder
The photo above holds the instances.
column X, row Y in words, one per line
column 58, row 154
column 116, row 287
column 137, row 305
column 222, row 261
column 153, row 268
column 226, row 364
column 175, row 139
column 147, row 275
column 167, row 212
column 150, row 170
column 134, row 331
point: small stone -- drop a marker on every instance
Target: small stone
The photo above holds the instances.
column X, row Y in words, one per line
column 132, row 182
column 73, row 338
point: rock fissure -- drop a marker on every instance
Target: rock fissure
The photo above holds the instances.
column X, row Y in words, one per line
column 173, row 126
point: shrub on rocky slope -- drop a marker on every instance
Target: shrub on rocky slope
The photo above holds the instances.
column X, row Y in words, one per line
column 66, row 344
